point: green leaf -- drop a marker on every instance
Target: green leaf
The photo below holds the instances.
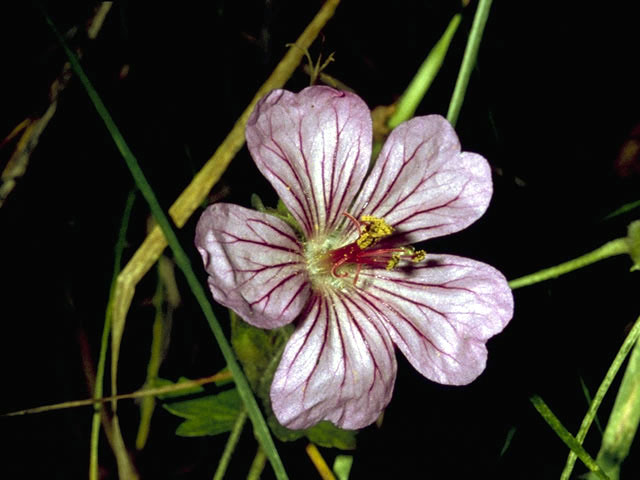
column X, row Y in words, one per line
column 507, row 440
column 342, row 466
column 256, row 203
column 258, row 350
column 204, row 414
column 326, row 434
column 633, row 240
column 627, row 207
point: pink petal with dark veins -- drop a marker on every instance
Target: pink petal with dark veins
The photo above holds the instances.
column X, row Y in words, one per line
column 441, row 313
column 255, row 264
column 339, row 365
column 314, row 147
column 422, row 184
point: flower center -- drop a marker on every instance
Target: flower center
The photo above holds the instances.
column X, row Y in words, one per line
column 339, row 262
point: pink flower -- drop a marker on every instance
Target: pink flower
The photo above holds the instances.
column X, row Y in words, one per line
column 350, row 281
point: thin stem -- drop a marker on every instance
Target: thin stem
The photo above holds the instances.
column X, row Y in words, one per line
column 609, row 249
column 318, row 461
column 182, row 261
column 469, row 60
column 628, row 343
column 257, row 466
column 142, row 393
column 104, row 341
column 230, row 446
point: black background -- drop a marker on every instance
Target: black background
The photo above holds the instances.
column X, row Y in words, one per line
column 550, row 104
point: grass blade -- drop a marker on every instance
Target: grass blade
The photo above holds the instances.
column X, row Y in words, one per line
column 469, row 60
column 423, row 79
column 575, row 446
column 182, row 260
column 628, row 343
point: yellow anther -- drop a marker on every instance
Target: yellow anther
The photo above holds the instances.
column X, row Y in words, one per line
column 418, row 256
column 365, row 240
column 376, row 227
column 395, row 258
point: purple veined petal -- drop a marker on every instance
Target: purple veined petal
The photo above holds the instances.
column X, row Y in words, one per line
column 314, row 147
column 422, row 184
column 255, row 264
column 441, row 313
column 339, row 365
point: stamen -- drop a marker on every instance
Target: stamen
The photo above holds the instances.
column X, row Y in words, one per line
column 419, row 256
column 395, row 258
column 370, row 231
column 365, row 240
column 374, row 229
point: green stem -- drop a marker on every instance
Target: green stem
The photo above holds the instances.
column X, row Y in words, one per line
column 260, row 427
column 104, row 341
column 609, row 249
column 413, row 95
column 632, row 337
column 230, row 446
column 623, row 421
column 469, row 60
column 566, row 437
column 257, row 466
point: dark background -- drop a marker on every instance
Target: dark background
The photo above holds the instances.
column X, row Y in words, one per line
column 551, row 104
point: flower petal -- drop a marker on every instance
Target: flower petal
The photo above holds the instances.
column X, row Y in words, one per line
column 441, row 313
column 314, row 147
column 422, row 185
column 339, row 365
column 255, row 264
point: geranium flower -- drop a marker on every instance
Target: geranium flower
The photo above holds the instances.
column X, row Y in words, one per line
column 350, row 280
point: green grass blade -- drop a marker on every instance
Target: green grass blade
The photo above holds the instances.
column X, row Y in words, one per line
column 413, row 95
column 468, row 60
column 507, row 441
column 587, row 396
column 104, row 341
column 627, row 207
column 623, row 421
column 575, row 446
column 182, row 261
column 628, row 343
